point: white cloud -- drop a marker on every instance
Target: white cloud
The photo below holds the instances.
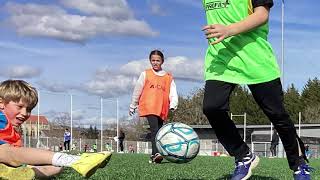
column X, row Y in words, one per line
column 101, row 18
column 135, row 67
column 22, row 71
column 78, row 114
column 19, row 47
column 108, row 84
column 181, row 68
column 52, row 86
column 184, row 68
column 156, row 9
column 96, row 122
column 115, row 9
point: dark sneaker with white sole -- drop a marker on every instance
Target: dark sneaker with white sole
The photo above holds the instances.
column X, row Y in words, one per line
column 303, row 172
column 156, row 159
column 243, row 169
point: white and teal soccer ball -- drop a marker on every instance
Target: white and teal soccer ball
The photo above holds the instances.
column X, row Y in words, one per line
column 177, row 142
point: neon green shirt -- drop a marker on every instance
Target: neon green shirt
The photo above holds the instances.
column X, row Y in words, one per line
column 246, row 58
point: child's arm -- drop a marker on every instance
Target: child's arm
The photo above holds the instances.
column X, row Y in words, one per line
column 220, row 31
column 173, row 96
column 137, row 93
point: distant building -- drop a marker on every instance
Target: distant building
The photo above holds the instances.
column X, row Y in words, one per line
column 31, row 125
column 309, row 133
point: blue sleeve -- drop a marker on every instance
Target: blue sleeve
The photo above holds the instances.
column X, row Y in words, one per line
column 3, row 121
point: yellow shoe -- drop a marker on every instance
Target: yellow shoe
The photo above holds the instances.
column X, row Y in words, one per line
column 107, row 154
column 89, row 163
column 20, row 173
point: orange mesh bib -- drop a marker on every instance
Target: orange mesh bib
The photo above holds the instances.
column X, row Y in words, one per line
column 154, row 99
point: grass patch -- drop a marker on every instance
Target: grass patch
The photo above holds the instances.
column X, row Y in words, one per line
column 136, row 166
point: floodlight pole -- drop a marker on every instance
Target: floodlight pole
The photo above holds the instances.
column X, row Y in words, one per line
column 71, row 107
column 282, row 40
column 101, row 117
column 38, row 123
column 300, row 124
column 271, row 133
column 117, row 125
column 244, row 115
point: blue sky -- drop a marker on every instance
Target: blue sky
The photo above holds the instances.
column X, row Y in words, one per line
column 99, row 47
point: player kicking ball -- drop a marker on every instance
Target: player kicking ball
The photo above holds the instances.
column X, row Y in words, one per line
column 17, row 99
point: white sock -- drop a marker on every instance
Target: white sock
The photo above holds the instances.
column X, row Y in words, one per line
column 64, row 160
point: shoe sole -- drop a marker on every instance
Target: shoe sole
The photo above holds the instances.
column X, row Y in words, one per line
column 158, row 159
column 254, row 164
column 93, row 170
column 20, row 173
column 105, row 162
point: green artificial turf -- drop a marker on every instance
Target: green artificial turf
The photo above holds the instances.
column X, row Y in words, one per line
column 136, row 166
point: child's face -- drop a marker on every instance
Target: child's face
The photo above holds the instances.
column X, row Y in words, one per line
column 156, row 62
column 16, row 112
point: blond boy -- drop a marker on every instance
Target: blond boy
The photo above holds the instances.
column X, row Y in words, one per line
column 17, row 99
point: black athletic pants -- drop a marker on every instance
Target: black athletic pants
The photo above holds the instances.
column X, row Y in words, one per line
column 273, row 149
column 121, row 144
column 269, row 96
column 67, row 145
column 155, row 123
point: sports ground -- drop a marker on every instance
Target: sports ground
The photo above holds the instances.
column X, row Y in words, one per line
column 136, row 166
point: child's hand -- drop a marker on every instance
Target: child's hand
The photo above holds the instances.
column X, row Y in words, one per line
column 132, row 111
column 218, row 31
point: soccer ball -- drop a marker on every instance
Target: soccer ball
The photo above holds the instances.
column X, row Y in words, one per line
column 177, row 142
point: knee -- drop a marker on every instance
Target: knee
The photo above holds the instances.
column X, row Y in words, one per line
column 211, row 109
column 279, row 116
column 7, row 156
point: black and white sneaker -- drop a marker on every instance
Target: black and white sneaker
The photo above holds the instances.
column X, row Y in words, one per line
column 243, row 169
column 156, row 159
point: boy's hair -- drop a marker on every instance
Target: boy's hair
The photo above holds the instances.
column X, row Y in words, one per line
column 16, row 90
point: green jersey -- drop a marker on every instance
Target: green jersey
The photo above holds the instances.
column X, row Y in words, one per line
column 246, row 58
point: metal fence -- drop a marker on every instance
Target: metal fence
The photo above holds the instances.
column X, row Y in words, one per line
column 207, row 147
column 73, row 112
column 76, row 112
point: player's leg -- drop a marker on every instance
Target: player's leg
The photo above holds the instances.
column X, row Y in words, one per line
column 216, row 107
column 68, row 145
column 45, row 172
column 269, row 97
column 121, row 145
column 85, row 164
column 17, row 156
column 155, row 124
column 65, row 145
column 273, row 150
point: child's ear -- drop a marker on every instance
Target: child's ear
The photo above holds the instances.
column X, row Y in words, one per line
column 1, row 103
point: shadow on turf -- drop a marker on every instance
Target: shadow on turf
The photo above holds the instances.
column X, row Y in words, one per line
column 253, row 177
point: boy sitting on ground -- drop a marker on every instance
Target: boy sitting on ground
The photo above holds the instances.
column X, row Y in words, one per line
column 17, row 99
